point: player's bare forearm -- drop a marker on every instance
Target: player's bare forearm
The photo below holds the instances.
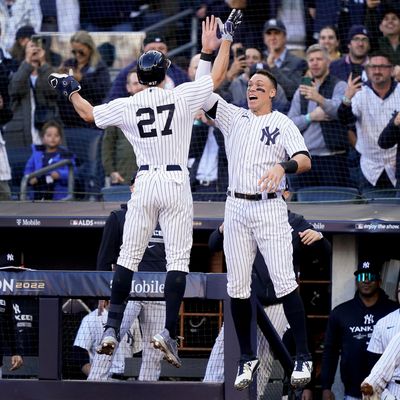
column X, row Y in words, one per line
column 82, row 107
column 221, row 63
column 303, row 162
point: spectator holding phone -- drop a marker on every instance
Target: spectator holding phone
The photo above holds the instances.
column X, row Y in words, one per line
column 314, row 111
column 370, row 107
column 355, row 61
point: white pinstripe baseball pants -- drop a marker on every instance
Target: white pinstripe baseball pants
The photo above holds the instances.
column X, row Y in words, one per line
column 263, row 223
column 162, row 196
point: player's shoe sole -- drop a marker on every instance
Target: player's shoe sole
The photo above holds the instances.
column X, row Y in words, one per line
column 245, row 374
column 108, row 343
column 302, row 373
column 159, row 343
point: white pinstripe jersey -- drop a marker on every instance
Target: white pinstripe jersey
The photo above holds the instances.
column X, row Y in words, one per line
column 384, row 331
column 254, row 144
column 157, row 122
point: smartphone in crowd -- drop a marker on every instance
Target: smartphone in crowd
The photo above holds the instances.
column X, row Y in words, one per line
column 306, row 80
column 37, row 40
column 240, row 52
column 356, row 70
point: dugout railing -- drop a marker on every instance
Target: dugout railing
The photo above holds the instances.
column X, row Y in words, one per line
column 51, row 287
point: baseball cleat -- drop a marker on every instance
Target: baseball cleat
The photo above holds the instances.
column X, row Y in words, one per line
column 245, row 373
column 168, row 346
column 108, row 343
column 301, row 374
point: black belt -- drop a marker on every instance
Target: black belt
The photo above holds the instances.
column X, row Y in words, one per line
column 171, row 167
column 397, row 381
column 120, row 377
column 202, row 182
column 256, row 197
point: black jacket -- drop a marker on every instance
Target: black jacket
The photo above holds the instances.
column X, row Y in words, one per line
column 349, row 330
column 154, row 257
column 261, row 280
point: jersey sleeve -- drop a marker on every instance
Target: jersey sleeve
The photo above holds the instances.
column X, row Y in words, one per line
column 196, row 92
column 293, row 139
column 110, row 114
column 375, row 344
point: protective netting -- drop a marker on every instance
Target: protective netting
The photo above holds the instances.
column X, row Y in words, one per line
column 102, row 58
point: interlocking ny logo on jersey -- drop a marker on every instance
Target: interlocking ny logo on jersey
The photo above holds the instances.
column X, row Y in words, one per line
column 269, row 136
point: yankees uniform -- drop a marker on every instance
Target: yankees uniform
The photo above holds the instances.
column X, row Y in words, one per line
column 89, row 335
column 151, row 314
column 385, row 376
column 255, row 144
column 263, row 287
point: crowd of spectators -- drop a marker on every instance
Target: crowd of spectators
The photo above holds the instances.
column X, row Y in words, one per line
column 337, row 67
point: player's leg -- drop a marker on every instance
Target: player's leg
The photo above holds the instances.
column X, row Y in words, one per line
column 215, row 366
column 140, row 221
column 274, row 240
column 176, row 222
column 152, row 320
column 278, row 319
column 240, row 250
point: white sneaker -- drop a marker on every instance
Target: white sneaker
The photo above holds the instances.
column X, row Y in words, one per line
column 301, row 374
column 246, row 372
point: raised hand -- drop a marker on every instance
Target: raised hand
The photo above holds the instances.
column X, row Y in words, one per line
column 65, row 84
column 209, row 40
column 227, row 29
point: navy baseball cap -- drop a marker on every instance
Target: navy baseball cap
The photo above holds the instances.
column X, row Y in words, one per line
column 26, row 31
column 274, row 24
column 367, row 270
column 357, row 30
column 153, row 38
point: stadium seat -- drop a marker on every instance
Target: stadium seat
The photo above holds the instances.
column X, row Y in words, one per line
column 116, row 193
column 328, row 193
column 85, row 143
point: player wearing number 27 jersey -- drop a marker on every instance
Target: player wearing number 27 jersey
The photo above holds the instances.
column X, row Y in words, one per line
column 158, row 124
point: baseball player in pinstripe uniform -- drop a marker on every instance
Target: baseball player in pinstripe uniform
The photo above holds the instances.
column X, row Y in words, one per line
column 385, row 346
column 258, row 143
column 88, row 338
column 158, row 123
column 305, row 241
column 151, row 314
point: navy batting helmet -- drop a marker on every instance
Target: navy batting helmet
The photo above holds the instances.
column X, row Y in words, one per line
column 151, row 67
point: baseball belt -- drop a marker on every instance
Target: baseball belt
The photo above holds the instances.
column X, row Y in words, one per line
column 254, row 197
column 171, row 167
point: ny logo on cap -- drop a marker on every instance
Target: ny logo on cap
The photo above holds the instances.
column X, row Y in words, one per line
column 10, row 257
column 365, row 265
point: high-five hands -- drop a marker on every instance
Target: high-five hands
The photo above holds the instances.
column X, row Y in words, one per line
column 227, row 29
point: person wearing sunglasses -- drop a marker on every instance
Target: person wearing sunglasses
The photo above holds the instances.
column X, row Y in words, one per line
column 90, row 71
column 350, row 326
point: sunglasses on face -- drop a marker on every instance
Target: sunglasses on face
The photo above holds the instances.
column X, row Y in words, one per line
column 367, row 276
column 80, row 52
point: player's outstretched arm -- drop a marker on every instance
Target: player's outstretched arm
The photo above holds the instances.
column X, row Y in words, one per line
column 226, row 32
column 69, row 87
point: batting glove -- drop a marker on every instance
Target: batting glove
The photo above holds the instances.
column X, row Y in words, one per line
column 65, row 84
column 226, row 30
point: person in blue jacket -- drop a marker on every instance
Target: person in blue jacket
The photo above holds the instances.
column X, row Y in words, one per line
column 53, row 185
